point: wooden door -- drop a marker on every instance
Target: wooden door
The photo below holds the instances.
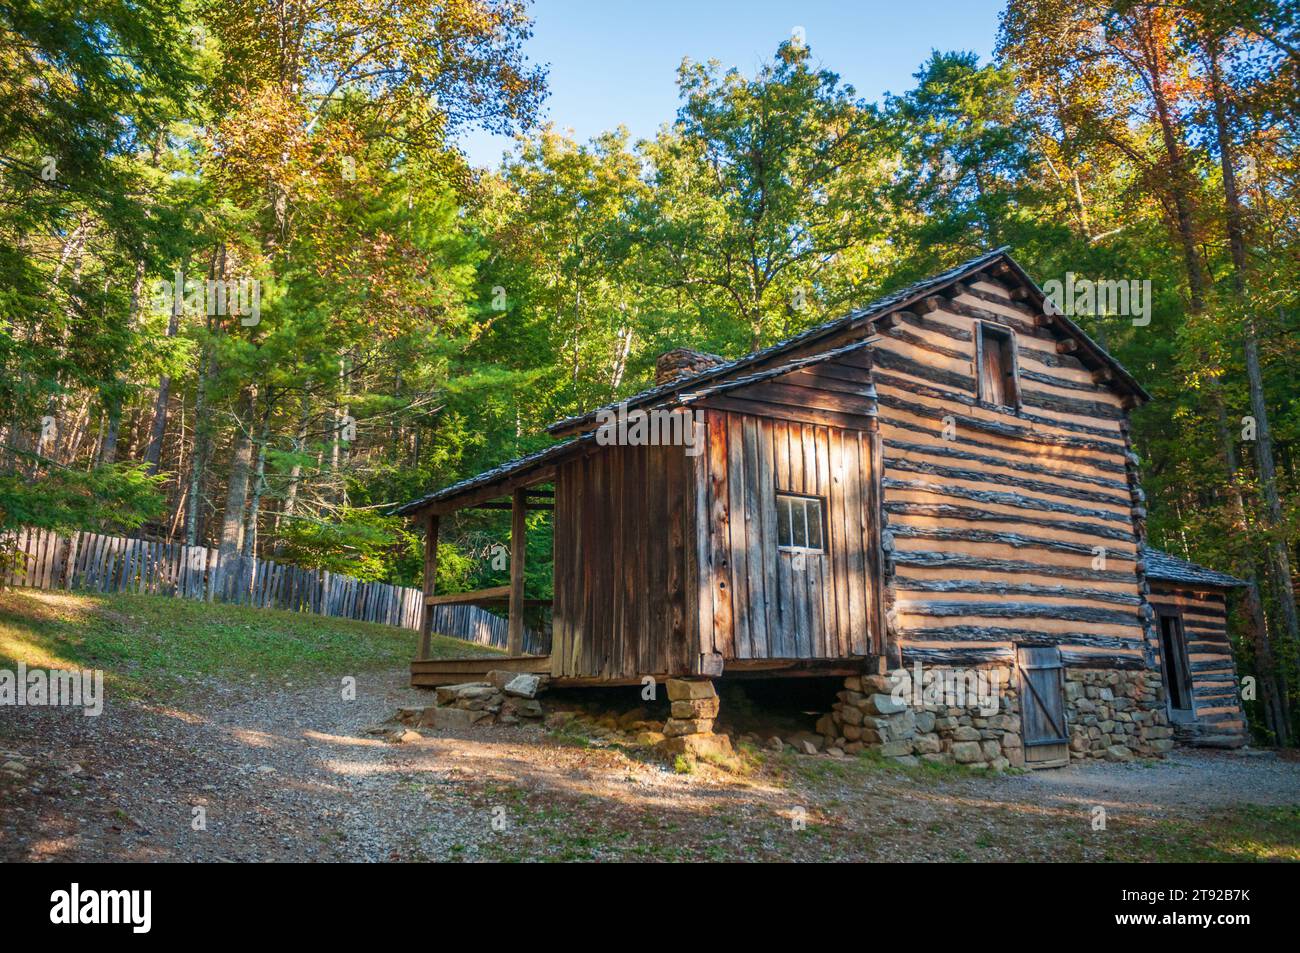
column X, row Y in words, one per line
column 1175, row 670
column 1042, row 706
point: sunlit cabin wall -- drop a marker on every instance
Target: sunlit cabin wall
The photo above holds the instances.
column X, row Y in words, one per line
column 1008, row 525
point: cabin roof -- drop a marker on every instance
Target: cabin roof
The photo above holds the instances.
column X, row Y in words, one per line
column 498, row 474
column 1167, row 568
column 897, row 301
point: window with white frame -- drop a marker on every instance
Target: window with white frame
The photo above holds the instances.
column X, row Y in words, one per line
column 799, row 523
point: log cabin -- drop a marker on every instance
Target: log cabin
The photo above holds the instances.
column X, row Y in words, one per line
column 942, row 481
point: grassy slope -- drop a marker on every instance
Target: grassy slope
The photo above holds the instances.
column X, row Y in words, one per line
column 155, row 641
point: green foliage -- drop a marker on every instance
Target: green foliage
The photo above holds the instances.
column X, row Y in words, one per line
column 358, row 543
column 118, row 496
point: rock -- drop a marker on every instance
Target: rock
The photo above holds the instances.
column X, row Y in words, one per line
column 699, row 746
column 1118, row 753
column 967, row 752
column 695, row 708
column 925, row 722
column 649, row 738
column 966, row 734
column 529, row 708
column 17, row 766
column 877, row 684
column 523, row 685
column 775, row 743
column 991, row 750
column 825, row 726
column 850, row 716
column 452, row 719
column 908, row 761
column 675, row 727
column 928, row 744
column 835, row 752
column 880, row 704
column 447, row 694
column 407, row 736
column 896, row 749
column 807, row 747
column 680, row 689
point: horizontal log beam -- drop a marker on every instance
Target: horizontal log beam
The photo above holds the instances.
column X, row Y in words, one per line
column 1004, row 499
column 947, row 511
column 943, row 560
column 477, row 595
column 1017, row 610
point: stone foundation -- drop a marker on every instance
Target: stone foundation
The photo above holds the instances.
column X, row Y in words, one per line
column 689, row 728
column 1116, row 714
column 1110, row 714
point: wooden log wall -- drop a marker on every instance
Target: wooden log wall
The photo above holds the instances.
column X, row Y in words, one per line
column 763, row 602
column 626, row 586
column 95, row 562
column 992, row 533
column 1209, row 653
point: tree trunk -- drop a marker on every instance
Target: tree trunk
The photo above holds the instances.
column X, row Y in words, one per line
column 230, row 546
column 1280, row 563
column 153, row 452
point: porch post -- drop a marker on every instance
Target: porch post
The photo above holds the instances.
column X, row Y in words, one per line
column 518, row 531
column 430, row 574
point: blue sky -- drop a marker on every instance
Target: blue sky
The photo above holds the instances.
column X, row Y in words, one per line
column 616, row 62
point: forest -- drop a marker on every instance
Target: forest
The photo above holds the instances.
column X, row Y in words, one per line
column 253, row 294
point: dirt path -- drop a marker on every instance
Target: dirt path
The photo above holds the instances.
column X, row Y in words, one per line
column 287, row 774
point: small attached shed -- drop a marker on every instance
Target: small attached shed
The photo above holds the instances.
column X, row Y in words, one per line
column 1195, row 655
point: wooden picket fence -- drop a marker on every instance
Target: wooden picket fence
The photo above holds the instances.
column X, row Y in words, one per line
column 475, row 624
column 93, row 562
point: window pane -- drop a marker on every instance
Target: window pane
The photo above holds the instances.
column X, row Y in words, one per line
column 798, row 519
column 783, row 521
column 814, row 509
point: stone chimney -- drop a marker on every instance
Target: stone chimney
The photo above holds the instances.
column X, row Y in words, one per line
column 683, row 362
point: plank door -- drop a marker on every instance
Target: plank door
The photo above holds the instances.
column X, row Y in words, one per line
column 1174, row 669
column 1042, row 706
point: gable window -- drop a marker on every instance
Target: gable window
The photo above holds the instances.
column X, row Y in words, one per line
column 799, row 523
column 997, row 366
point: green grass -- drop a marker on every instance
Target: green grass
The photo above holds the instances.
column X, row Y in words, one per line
column 1248, row 833
column 155, row 642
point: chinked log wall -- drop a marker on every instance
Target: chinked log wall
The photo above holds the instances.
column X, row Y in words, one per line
column 994, row 531
column 1209, row 654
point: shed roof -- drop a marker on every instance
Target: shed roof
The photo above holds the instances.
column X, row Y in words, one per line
column 1167, row 568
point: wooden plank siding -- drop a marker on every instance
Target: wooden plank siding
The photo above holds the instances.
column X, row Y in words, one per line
column 994, row 530
column 1203, row 610
column 771, row 603
column 625, row 584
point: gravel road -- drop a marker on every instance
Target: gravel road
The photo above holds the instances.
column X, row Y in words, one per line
column 285, row 772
